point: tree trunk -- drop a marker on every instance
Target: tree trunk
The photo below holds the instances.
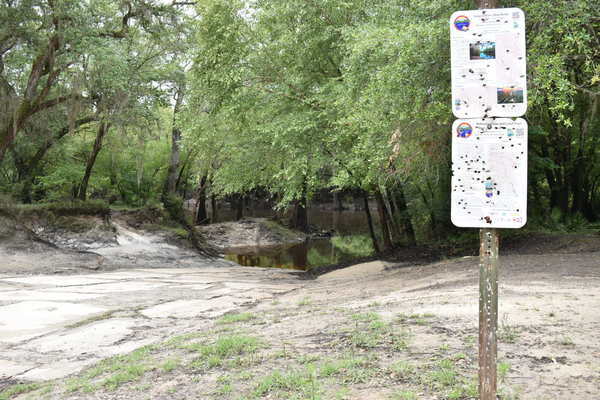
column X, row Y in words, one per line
column 102, row 130
column 337, row 201
column 580, row 179
column 300, row 220
column 214, row 209
column 171, row 181
column 370, row 222
column 403, row 215
column 238, row 206
column 301, row 216
column 395, row 232
column 35, row 97
column 384, row 220
column 201, row 213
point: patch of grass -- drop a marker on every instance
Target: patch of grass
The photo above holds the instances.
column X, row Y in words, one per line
column 470, row 340
column 364, row 339
column 125, row 373
column 80, row 385
column 179, row 340
column 402, row 370
column 446, row 379
column 233, row 318
column 224, row 348
column 173, row 389
column 170, row 365
column 224, row 389
column 370, row 332
column 293, row 384
column 507, row 332
column 342, row 394
column 566, row 341
column 122, row 369
column 306, row 301
column 18, row 389
column 308, row 358
column 404, row 395
column 418, row 319
column 348, row 370
column 366, row 317
column 144, row 387
column 503, row 369
column 443, row 376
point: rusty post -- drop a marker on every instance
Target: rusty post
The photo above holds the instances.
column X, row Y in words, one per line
column 488, row 297
column 488, row 312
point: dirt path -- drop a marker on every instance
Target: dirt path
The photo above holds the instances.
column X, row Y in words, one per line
column 372, row 331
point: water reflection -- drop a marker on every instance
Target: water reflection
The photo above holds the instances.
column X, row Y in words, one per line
column 313, row 253
column 347, row 222
column 303, row 256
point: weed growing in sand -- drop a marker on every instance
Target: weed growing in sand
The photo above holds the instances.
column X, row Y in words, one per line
column 566, row 341
column 120, row 369
column 20, row 388
column 366, row 317
column 170, row 365
column 293, row 384
column 370, row 331
column 348, row 370
column 418, row 319
column 223, row 349
column 308, row 358
column 404, row 395
column 342, row 394
column 233, row 318
column 445, row 378
column 503, row 369
column 225, row 386
column 402, row 370
column 125, row 373
column 306, row 301
column 507, row 332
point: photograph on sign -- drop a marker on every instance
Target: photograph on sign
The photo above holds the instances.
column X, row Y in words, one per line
column 488, row 63
column 489, row 173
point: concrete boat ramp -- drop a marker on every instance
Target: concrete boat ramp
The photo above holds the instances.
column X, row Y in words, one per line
column 52, row 326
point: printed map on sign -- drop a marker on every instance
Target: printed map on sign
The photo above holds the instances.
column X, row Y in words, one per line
column 489, row 173
column 488, row 63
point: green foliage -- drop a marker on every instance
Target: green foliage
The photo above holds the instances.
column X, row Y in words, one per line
column 286, row 97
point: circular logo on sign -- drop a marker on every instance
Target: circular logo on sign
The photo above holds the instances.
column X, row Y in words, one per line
column 462, row 23
column 464, row 130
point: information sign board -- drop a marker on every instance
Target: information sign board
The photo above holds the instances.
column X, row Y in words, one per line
column 489, row 173
column 488, row 63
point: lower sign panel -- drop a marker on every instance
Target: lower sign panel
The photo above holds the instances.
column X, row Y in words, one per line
column 489, row 173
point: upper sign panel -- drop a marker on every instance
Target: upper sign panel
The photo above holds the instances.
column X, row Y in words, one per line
column 488, row 63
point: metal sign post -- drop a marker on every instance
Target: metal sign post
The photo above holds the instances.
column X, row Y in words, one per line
column 488, row 312
column 489, row 243
column 489, row 154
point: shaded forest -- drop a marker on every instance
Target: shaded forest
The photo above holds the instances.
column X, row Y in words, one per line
column 146, row 102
